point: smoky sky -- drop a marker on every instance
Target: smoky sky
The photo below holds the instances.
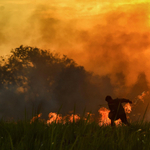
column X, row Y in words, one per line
column 105, row 42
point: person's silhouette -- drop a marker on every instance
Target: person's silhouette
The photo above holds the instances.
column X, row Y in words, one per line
column 117, row 110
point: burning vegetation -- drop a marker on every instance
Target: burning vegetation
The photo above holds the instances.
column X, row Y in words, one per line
column 102, row 120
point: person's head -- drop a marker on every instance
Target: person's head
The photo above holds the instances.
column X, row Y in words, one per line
column 108, row 98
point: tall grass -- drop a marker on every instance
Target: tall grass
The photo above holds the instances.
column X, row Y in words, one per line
column 81, row 135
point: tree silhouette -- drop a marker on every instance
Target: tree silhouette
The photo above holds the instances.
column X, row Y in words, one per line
column 34, row 77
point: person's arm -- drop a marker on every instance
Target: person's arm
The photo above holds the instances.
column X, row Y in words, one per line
column 123, row 100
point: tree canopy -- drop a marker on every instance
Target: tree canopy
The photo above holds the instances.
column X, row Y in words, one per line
column 37, row 78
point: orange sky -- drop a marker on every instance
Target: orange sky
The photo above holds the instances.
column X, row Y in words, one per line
column 106, row 36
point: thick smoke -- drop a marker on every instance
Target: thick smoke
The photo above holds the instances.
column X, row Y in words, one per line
column 116, row 42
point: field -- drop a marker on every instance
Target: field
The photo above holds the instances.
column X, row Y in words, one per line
column 81, row 135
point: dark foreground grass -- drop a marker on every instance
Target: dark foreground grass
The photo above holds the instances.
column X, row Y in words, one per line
column 73, row 136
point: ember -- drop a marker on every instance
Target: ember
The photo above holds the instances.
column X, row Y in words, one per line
column 36, row 117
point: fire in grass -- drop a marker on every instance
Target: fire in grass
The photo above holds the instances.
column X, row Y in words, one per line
column 103, row 120
column 36, row 118
column 53, row 117
column 57, row 118
column 104, row 112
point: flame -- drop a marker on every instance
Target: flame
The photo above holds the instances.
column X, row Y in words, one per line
column 141, row 97
column 36, row 117
column 104, row 120
column 74, row 117
column 54, row 117
column 127, row 108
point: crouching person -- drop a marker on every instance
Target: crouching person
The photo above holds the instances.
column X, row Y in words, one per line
column 116, row 109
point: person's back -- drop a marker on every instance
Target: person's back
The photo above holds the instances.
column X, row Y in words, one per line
column 116, row 106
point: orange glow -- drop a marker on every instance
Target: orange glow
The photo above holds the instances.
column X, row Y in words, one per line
column 74, row 118
column 141, row 97
column 104, row 120
column 100, row 35
column 54, row 117
column 36, row 117
column 127, row 108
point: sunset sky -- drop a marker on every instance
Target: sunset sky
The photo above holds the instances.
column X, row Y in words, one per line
column 105, row 36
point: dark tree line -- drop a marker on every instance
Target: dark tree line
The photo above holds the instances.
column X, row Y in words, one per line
column 34, row 78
